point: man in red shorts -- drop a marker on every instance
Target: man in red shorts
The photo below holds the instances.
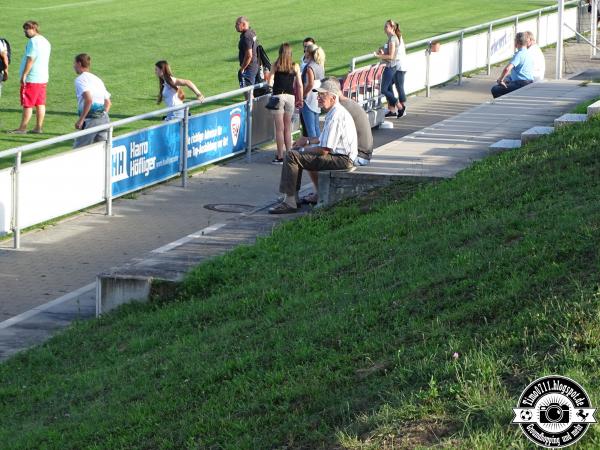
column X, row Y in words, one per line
column 34, row 77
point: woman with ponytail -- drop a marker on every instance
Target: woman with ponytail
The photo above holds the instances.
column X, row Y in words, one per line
column 169, row 89
column 389, row 54
column 400, row 71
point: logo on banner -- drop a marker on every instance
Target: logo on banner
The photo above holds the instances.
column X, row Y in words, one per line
column 235, row 123
column 119, row 163
column 554, row 412
column 500, row 43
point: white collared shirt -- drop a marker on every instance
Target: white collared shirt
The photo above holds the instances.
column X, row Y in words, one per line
column 339, row 132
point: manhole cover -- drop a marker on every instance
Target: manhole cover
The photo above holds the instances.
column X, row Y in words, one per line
column 229, row 207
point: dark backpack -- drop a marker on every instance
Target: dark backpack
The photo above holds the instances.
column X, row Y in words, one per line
column 263, row 58
column 8, row 53
column 264, row 64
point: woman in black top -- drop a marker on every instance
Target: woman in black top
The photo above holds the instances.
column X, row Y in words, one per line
column 286, row 75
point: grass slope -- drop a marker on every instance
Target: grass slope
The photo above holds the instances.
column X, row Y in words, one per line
column 340, row 330
column 126, row 38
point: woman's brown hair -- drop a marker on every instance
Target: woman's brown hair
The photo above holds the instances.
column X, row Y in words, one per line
column 396, row 28
column 167, row 77
column 284, row 62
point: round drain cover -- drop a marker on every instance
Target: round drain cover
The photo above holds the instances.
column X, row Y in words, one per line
column 229, row 207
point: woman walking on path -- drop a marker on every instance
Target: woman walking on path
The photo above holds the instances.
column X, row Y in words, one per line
column 169, row 89
column 400, row 70
column 312, row 74
column 287, row 73
column 388, row 54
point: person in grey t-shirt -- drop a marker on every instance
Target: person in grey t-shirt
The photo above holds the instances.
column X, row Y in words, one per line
column 363, row 130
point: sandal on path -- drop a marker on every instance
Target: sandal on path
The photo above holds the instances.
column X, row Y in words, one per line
column 17, row 131
column 282, row 208
column 36, row 132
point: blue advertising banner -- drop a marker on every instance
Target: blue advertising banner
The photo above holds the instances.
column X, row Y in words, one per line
column 145, row 157
column 216, row 135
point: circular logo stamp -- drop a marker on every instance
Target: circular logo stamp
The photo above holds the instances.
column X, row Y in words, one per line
column 554, row 412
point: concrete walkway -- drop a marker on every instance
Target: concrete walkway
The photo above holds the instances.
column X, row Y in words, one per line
column 60, row 262
column 443, row 149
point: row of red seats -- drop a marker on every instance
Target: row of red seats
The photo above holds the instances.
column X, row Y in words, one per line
column 364, row 86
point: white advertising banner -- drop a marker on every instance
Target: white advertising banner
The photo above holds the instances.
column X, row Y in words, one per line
column 474, row 52
column 444, row 64
column 415, row 75
column 502, row 45
column 5, row 200
column 62, row 184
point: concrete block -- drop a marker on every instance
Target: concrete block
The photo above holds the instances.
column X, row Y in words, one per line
column 535, row 133
column 593, row 109
column 336, row 186
column 114, row 290
column 569, row 119
column 505, row 144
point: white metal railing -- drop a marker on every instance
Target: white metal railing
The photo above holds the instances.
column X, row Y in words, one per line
column 461, row 35
column 17, row 152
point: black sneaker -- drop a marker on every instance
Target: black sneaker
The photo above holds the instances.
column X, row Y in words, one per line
column 277, row 161
column 390, row 114
column 401, row 112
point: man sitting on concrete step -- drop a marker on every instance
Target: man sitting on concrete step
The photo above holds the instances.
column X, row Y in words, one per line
column 364, row 141
column 336, row 148
column 520, row 69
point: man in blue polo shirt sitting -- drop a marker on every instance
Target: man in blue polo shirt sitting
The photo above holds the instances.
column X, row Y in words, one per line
column 520, row 68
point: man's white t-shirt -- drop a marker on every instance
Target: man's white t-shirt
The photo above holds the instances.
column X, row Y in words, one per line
column 539, row 62
column 88, row 82
column 339, row 132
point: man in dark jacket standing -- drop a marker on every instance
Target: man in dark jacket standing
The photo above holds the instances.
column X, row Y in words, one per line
column 249, row 64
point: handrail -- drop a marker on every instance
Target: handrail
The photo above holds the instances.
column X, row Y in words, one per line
column 471, row 29
column 126, row 121
column 587, row 41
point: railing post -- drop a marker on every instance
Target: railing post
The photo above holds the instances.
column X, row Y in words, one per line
column 559, row 40
column 249, row 108
column 352, row 64
column 428, row 70
column 184, row 146
column 516, row 25
column 489, row 50
column 539, row 27
column 460, row 56
column 108, row 173
column 594, row 24
column 15, row 201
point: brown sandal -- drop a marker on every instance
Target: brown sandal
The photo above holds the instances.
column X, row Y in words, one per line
column 282, row 208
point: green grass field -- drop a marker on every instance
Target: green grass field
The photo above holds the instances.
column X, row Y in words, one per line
column 126, row 37
column 411, row 318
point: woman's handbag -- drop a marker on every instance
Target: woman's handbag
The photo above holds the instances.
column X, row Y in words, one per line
column 273, row 102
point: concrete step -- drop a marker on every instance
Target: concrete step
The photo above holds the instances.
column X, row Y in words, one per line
column 593, row 109
column 569, row 119
column 535, row 133
column 505, row 144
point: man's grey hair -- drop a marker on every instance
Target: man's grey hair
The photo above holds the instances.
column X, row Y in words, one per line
column 242, row 19
column 521, row 38
column 530, row 35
